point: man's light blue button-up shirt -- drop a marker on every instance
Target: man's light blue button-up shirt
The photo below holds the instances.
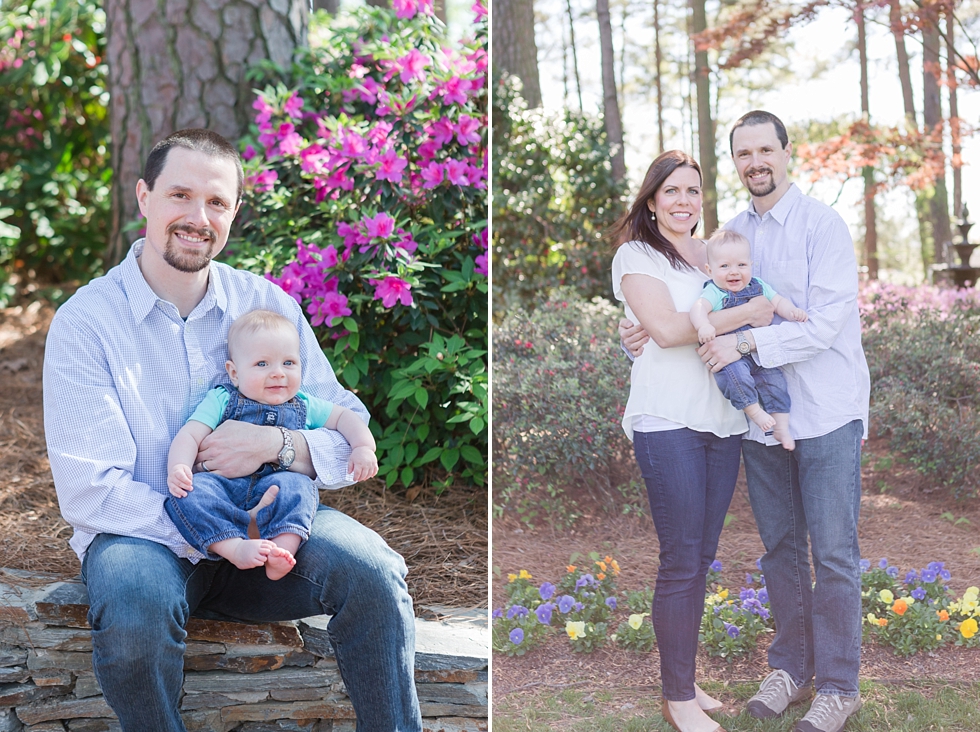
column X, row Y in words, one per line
column 123, row 371
column 803, row 249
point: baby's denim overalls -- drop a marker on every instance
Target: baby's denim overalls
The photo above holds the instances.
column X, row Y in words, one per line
column 745, row 382
column 217, row 508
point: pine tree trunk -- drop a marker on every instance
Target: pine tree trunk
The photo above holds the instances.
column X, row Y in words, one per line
column 174, row 65
column 706, row 125
column 954, row 118
column 658, row 61
column 514, row 47
column 610, row 104
column 331, row 6
column 571, row 33
column 870, row 219
column 932, row 117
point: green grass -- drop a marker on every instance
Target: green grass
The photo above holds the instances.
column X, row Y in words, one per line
column 910, row 707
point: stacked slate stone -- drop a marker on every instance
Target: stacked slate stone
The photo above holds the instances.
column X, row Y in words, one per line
column 275, row 677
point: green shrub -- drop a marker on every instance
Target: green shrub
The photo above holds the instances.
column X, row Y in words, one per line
column 554, row 196
column 560, row 388
column 54, row 139
column 367, row 203
column 923, row 350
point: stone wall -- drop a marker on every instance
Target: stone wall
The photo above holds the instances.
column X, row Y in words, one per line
column 237, row 678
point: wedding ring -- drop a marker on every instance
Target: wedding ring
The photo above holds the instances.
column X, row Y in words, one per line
column 204, row 467
column 710, row 365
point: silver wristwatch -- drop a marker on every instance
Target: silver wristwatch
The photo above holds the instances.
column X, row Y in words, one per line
column 288, row 453
column 743, row 343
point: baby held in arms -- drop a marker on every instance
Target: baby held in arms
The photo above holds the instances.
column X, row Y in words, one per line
column 759, row 392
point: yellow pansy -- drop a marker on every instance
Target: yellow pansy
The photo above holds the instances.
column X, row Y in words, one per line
column 615, row 566
column 602, row 566
column 886, row 597
column 511, row 577
column 968, row 628
column 723, row 594
column 524, row 575
column 972, row 594
column 872, row 619
column 575, row 629
column 635, row 621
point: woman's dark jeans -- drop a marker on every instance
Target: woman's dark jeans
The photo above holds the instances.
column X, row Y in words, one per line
column 690, row 478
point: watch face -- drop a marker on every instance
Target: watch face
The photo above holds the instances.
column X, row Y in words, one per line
column 743, row 348
column 286, row 457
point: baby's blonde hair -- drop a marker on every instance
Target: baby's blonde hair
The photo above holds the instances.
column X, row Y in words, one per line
column 725, row 237
column 254, row 322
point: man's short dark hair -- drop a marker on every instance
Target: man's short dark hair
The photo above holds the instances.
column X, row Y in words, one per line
column 196, row 138
column 758, row 117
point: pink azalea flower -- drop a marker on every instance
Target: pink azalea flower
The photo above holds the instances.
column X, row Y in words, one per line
column 428, row 149
column 391, row 290
column 406, row 242
column 467, row 130
column 392, row 167
column 354, row 146
column 405, row 8
column 379, row 226
column 249, row 153
column 456, row 171
column 432, row 175
column 425, row 7
column 291, row 144
column 293, row 105
column 378, row 135
column 441, row 130
column 412, row 65
column 264, row 181
column 329, row 257
column 291, row 281
column 480, row 9
column 328, row 308
column 268, row 141
column 452, row 91
column 357, row 71
column 481, row 265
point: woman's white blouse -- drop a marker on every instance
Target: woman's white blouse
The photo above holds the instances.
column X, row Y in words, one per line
column 671, row 383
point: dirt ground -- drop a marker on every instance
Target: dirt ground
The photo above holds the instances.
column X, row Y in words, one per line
column 444, row 539
column 903, row 518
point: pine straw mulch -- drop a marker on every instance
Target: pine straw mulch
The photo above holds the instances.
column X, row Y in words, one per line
column 444, row 538
column 908, row 523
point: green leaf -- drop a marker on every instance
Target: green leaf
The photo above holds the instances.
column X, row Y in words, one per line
column 477, row 425
column 351, row 375
column 407, row 476
column 431, row 454
column 411, row 452
column 350, row 324
column 423, row 432
column 471, row 454
column 422, row 397
column 449, row 458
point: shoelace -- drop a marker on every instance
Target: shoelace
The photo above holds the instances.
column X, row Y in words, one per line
column 771, row 686
column 822, row 709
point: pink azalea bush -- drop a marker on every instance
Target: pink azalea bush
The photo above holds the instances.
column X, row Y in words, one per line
column 367, row 203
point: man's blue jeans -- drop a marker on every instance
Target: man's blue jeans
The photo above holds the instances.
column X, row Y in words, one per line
column 690, row 478
column 141, row 596
column 814, row 490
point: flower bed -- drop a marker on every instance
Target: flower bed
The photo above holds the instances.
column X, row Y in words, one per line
column 910, row 614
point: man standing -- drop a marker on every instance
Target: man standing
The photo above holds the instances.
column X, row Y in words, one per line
column 811, row 495
column 128, row 357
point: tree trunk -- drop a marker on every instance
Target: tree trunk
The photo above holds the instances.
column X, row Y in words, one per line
column 514, row 48
column 331, row 6
column 954, row 117
column 932, row 117
column 175, row 65
column 658, row 60
column 870, row 220
column 610, row 105
column 571, row 29
column 706, row 125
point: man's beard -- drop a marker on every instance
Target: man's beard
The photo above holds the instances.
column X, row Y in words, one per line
column 184, row 261
column 760, row 189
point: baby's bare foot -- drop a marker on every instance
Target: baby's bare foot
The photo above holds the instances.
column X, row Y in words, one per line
column 760, row 416
column 781, row 431
column 279, row 563
column 248, row 553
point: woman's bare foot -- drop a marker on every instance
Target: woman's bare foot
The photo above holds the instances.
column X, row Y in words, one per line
column 781, row 431
column 707, row 702
column 760, row 416
column 244, row 553
column 279, row 563
column 687, row 716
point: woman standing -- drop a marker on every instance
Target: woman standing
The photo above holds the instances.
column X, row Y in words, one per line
column 686, row 435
